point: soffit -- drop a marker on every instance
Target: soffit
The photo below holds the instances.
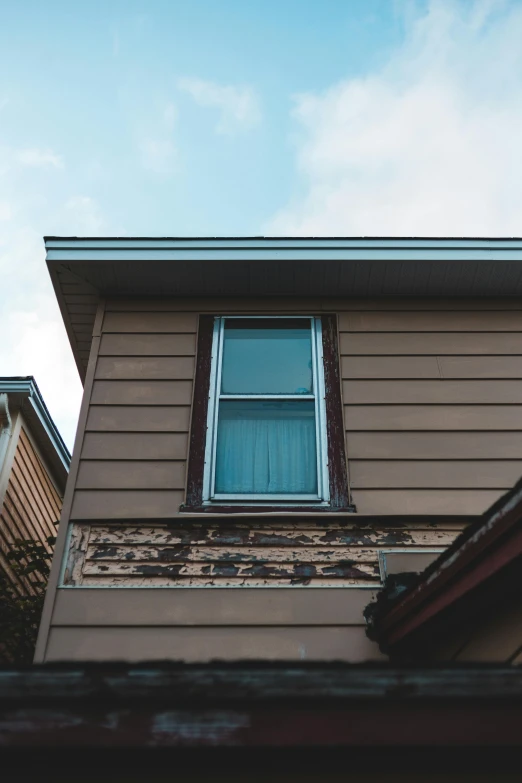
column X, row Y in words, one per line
column 86, row 269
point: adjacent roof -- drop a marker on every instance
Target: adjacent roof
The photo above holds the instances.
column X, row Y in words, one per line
column 485, row 560
column 24, row 394
column 259, row 704
column 85, row 269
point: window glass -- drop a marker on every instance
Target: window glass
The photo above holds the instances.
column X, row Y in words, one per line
column 266, row 447
column 261, row 359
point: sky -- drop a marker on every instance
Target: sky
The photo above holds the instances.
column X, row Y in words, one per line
column 226, row 117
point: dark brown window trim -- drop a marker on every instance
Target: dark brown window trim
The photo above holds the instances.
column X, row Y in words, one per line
column 337, row 469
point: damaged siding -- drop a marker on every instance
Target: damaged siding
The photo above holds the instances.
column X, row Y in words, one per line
column 258, row 554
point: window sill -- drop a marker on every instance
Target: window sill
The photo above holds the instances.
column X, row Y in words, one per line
column 310, row 508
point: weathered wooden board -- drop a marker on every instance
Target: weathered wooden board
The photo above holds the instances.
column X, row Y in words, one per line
column 214, row 554
column 434, row 445
column 145, row 368
column 449, row 321
column 297, row 573
column 430, row 343
column 244, row 554
column 135, row 445
column 434, row 417
column 148, row 345
column 129, row 418
column 432, row 391
column 266, row 535
column 141, row 393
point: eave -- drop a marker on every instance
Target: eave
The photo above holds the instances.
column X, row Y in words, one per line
column 24, row 394
column 84, row 270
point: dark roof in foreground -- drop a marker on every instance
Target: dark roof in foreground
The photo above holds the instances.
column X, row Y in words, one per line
column 84, row 270
column 259, row 704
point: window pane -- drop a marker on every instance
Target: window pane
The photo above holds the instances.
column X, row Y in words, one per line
column 266, row 448
column 261, row 359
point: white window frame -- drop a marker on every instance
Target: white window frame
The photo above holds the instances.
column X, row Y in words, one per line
column 323, row 495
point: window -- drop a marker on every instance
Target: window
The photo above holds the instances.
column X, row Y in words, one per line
column 267, row 419
column 265, row 424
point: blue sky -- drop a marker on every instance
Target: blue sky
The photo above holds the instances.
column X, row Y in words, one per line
column 225, row 117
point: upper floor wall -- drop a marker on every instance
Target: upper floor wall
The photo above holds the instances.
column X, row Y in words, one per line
column 431, row 397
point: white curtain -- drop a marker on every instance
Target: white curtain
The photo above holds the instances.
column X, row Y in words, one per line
column 266, row 456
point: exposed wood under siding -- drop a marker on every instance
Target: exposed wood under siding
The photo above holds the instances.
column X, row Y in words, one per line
column 244, row 554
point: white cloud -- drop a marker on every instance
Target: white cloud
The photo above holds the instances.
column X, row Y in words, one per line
column 239, row 106
column 39, row 158
column 34, row 341
column 429, row 145
column 6, row 212
column 82, row 216
column 159, row 155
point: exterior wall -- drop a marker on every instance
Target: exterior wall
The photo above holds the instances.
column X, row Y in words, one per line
column 431, row 392
column 31, row 503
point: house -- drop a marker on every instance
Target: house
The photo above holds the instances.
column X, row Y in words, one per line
column 268, row 428
column 466, row 606
column 34, row 463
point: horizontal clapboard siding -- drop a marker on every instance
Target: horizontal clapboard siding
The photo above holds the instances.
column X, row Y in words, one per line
column 30, row 510
column 196, row 644
column 135, row 446
column 437, row 383
column 433, row 406
column 254, row 554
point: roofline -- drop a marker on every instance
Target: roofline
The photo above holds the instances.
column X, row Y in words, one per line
column 52, row 238
column 29, row 388
column 354, row 267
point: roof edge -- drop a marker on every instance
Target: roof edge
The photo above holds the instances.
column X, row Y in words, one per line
column 28, row 387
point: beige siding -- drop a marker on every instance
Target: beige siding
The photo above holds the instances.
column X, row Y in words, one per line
column 211, row 643
column 432, row 402
column 437, row 381
column 432, row 395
